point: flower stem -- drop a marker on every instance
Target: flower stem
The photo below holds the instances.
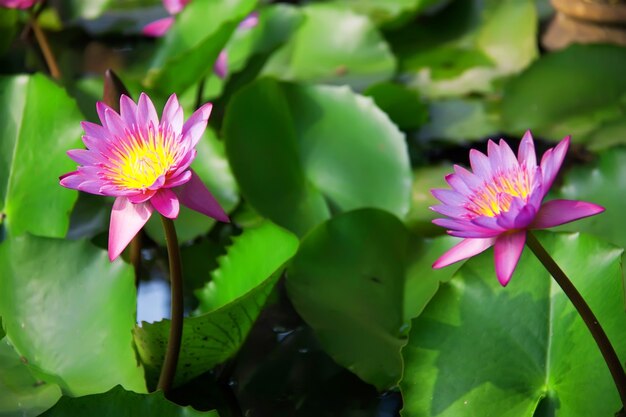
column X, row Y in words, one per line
column 609, row 354
column 168, row 371
column 45, row 47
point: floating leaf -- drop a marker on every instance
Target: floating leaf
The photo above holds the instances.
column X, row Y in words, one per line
column 20, row 392
column 601, row 182
column 35, row 136
column 404, row 106
column 347, row 281
column 69, row 313
column 230, row 305
column 567, row 92
column 320, row 148
column 120, row 403
column 388, row 11
column 468, row 46
column 333, row 45
column 479, row 349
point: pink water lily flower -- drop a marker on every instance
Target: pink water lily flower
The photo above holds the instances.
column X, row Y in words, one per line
column 160, row 27
column 500, row 200
column 18, row 4
column 144, row 163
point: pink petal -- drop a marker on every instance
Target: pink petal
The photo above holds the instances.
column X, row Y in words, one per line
column 556, row 212
column 480, row 165
column 509, row 161
column 451, row 211
column 172, row 115
column 101, row 109
column 175, row 6
column 72, row 180
column 463, row 250
column 449, row 197
column 507, row 251
column 250, row 21
column 95, row 131
column 194, row 126
column 126, row 220
column 526, row 153
column 158, row 28
column 178, row 180
column 146, row 113
column 114, row 123
column 551, row 163
column 458, row 184
column 196, row 196
column 128, row 110
column 166, row 203
column 141, row 196
column 220, row 68
column 471, row 180
column 84, row 157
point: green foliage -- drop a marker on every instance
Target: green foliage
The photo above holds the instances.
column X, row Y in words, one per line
column 295, row 166
column 121, row 403
column 20, row 392
column 335, row 46
column 69, row 314
column 480, row 349
column 567, row 106
column 229, row 305
column 34, row 138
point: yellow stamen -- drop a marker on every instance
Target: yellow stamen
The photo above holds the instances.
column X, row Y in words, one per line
column 139, row 162
column 496, row 196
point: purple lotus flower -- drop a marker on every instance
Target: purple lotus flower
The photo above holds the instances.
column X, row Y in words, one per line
column 144, row 163
column 160, row 27
column 500, row 200
column 18, row 4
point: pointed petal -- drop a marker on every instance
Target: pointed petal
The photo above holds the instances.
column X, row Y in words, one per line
column 526, row 153
column 95, row 131
column 146, row 113
column 463, row 250
column 71, row 180
column 220, row 68
column 128, row 111
column 126, row 220
column 556, row 212
column 250, row 21
column 173, row 115
column 495, row 157
column 507, row 251
column 174, row 6
column 158, row 28
column 101, row 109
column 141, row 196
column 449, row 197
column 166, row 203
column 85, row 157
column 451, row 211
column 551, row 163
column 178, row 180
column 480, row 165
column 196, row 196
column 473, row 182
column 458, row 184
column 509, row 161
column 195, row 125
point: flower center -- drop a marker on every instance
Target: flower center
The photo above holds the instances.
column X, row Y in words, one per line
column 140, row 162
column 495, row 197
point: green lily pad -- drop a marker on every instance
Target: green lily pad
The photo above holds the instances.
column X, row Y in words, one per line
column 601, row 182
column 191, row 46
column 120, row 403
column 347, row 282
column 468, row 46
column 212, row 167
column 300, row 152
column 388, row 11
column 20, row 392
column 229, row 305
column 333, row 45
column 569, row 92
column 404, row 107
column 479, row 349
column 69, row 313
column 35, row 137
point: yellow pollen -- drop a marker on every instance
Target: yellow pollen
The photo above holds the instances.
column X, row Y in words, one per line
column 139, row 162
column 495, row 197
